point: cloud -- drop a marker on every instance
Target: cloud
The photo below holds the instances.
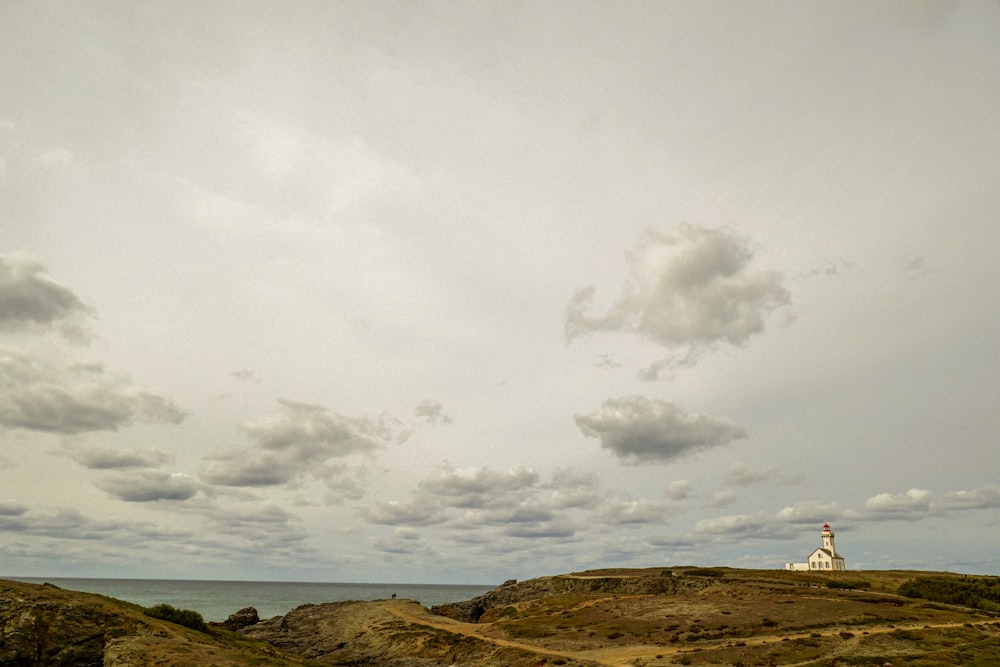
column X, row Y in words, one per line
column 251, row 533
column 12, row 508
column 301, row 441
column 480, row 487
column 525, row 513
column 622, row 512
column 106, row 458
column 145, row 486
column 404, row 541
column 432, row 412
column 244, row 376
column 987, row 497
column 547, row 530
column 909, row 506
column 691, row 290
column 643, row 430
column 678, row 489
column 740, row 473
column 722, row 499
column 573, row 490
column 744, row 526
column 313, row 429
column 261, row 470
column 30, row 301
column 397, row 513
column 809, row 512
column 73, row 398
column 480, row 505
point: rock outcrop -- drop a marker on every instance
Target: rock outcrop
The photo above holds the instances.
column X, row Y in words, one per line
column 45, row 625
column 243, row 618
column 513, row 592
column 365, row 633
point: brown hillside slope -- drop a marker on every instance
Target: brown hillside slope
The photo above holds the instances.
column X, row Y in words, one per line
column 45, row 626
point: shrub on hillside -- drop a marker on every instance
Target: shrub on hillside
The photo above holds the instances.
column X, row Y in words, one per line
column 185, row 617
column 976, row 592
column 849, row 585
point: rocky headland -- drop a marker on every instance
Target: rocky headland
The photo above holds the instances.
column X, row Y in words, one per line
column 638, row 618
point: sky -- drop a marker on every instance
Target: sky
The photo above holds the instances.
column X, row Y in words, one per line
column 457, row 292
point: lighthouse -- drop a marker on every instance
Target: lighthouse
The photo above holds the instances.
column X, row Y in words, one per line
column 824, row 558
column 827, row 536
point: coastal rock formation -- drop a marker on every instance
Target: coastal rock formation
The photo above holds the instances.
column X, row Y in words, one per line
column 386, row 634
column 513, row 592
column 241, row 619
column 46, row 626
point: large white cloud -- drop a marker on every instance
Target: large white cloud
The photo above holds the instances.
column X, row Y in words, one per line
column 644, row 430
column 912, row 505
column 691, row 290
column 72, row 398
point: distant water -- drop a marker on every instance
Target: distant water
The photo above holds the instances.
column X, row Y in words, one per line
column 216, row 600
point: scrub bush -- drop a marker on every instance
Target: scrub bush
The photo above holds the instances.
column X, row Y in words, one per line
column 185, row 617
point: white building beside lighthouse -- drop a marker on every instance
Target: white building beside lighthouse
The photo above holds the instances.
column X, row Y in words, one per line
column 825, row 558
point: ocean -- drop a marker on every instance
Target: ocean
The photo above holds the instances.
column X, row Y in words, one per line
column 216, row 600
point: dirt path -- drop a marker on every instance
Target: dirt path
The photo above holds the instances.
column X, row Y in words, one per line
column 412, row 612
column 623, row 656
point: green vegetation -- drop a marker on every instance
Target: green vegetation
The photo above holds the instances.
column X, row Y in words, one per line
column 185, row 617
column 976, row 592
column 704, row 572
column 849, row 585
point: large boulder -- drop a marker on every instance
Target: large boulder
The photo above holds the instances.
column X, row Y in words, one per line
column 243, row 618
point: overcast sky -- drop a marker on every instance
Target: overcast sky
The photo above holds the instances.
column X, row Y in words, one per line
column 464, row 291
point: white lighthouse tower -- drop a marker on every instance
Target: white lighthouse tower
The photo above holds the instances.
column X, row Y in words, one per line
column 827, row 536
column 824, row 558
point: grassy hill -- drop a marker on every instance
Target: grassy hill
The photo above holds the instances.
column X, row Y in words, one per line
column 613, row 617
